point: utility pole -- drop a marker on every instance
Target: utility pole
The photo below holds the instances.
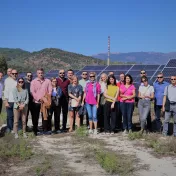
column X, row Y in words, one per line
column 108, row 60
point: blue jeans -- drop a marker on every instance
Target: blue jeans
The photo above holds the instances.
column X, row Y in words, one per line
column 92, row 112
column 9, row 111
column 127, row 113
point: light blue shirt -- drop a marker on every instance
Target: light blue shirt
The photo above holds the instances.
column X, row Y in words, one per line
column 159, row 91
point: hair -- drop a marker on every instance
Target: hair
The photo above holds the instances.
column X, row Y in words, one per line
column 104, row 75
column 18, row 87
column 160, row 73
column 84, row 72
column 92, row 73
column 53, row 79
column 28, row 72
column 40, row 69
column 143, row 70
column 111, row 76
column 144, row 77
column 70, row 70
column 73, row 77
column 122, row 73
column 131, row 79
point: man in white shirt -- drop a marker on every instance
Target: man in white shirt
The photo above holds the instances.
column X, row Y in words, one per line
column 9, row 84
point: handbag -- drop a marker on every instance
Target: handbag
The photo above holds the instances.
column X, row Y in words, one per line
column 74, row 103
column 167, row 104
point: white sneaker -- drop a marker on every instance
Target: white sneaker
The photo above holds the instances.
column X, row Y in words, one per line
column 16, row 136
column 90, row 131
column 95, row 131
column 12, row 132
column 125, row 132
column 24, row 135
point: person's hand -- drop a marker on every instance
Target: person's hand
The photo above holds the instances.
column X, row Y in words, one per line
column 142, row 97
column 77, row 99
column 21, row 107
column 41, row 100
column 163, row 109
column 7, row 105
column 82, row 104
column 147, row 96
column 97, row 105
column 124, row 99
column 112, row 105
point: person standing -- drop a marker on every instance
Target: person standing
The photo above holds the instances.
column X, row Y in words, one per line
column 75, row 93
column 55, row 97
column 159, row 87
column 10, row 84
column 145, row 95
column 83, row 82
column 92, row 97
column 170, row 94
column 63, row 83
column 21, row 100
column 119, row 113
column 40, row 86
column 100, row 112
column 70, row 74
column 29, row 77
column 127, row 94
column 110, row 107
column 1, row 90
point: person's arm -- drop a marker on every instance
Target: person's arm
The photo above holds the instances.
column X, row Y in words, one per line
column 132, row 96
column 27, row 98
column 117, row 94
column 164, row 102
column 50, row 88
column 83, row 99
column 98, row 99
column 6, row 95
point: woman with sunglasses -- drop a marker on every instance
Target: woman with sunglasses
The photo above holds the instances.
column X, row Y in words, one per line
column 92, row 96
column 127, row 95
column 75, row 94
column 110, row 112
column 55, row 97
column 21, row 100
column 145, row 95
column 100, row 113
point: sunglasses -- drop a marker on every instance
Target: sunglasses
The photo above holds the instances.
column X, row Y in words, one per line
column 160, row 77
column 14, row 73
column 142, row 72
column 144, row 81
column 21, row 82
column 173, row 79
column 84, row 74
column 92, row 76
column 61, row 73
column 29, row 75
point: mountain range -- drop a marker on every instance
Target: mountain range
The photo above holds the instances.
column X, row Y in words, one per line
column 138, row 57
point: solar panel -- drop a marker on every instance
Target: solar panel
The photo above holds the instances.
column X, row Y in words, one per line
column 171, row 63
column 118, row 67
column 138, row 67
column 161, row 67
column 53, row 71
column 169, row 72
column 134, row 73
column 151, row 67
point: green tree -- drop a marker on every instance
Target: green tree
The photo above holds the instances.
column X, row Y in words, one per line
column 3, row 64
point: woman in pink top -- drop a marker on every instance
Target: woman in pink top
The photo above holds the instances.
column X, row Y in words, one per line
column 127, row 94
column 92, row 95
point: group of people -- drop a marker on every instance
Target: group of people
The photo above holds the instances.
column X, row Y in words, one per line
column 107, row 104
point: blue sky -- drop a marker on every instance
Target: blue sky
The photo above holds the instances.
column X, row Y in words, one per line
column 83, row 26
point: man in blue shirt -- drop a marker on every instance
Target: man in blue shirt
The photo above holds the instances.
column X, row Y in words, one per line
column 159, row 87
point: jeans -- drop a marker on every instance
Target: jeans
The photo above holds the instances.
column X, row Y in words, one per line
column 63, row 103
column 109, row 117
column 158, row 117
column 144, row 109
column 10, row 116
column 0, row 105
column 54, row 109
column 127, row 113
column 92, row 112
column 167, row 119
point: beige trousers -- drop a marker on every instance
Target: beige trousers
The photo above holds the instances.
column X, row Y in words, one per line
column 17, row 115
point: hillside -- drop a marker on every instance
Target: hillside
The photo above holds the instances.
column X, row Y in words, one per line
column 139, row 57
column 49, row 58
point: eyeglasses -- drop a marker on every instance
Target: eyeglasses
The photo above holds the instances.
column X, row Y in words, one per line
column 144, row 81
column 29, row 75
column 14, row 73
column 21, row 82
column 84, row 74
column 173, row 79
column 160, row 77
column 142, row 72
column 92, row 76
column 61, row 73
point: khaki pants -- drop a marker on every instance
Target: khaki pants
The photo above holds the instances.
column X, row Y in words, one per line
column 17, row 115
